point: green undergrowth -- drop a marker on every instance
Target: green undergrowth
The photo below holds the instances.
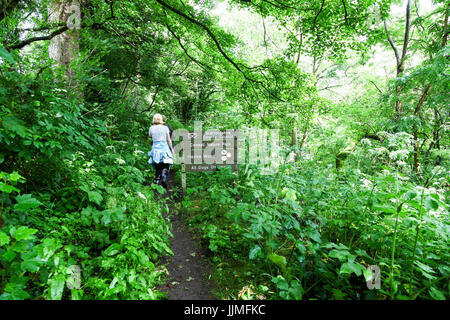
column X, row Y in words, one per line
column 311, row 233
column 78, row 216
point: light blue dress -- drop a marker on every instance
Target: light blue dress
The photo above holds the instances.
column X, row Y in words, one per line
column 160, row 149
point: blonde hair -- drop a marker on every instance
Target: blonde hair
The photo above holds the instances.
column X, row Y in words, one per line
column 164, row 118
column 157, row 119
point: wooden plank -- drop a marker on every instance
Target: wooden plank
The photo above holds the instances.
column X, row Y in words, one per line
column 183, row 178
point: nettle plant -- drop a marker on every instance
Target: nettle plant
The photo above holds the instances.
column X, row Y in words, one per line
column 311, row 235
column 415, row 220
column 27, row 260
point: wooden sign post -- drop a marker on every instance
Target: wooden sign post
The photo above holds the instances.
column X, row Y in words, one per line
column 214, row 150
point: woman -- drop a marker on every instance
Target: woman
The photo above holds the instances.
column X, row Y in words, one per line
column 161, row 156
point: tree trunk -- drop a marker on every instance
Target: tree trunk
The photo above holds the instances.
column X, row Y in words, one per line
column 63, row 49
column 416, row 129
column 400, row 59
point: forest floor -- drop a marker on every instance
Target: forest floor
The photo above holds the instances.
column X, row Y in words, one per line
column 188, row 268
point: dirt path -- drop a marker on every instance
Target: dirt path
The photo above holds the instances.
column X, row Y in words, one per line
column 188, row 270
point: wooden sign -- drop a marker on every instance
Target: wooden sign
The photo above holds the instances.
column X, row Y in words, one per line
column 215, row 149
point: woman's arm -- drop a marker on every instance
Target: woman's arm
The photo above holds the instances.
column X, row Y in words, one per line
column 169, row 142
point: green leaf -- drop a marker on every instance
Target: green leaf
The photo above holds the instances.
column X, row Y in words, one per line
column 4, row 54
column 57, row 287
column 31, row 265
column 254, row 252
column 49, row 247
column 281, row 283
column 15, row 177
column 24, row 233
column 4, row 238
column 340, row 254
column 26, row 202
column 15, row 125
column 431, row 204
column 112, row 249
column 352, row 267
column 436, row 294
column 9, row 255
column 423, row 266
column 385, row 209
column 280, row 261
column 315, row 235
column 368, row 274
column 14, row 291
column 289, row 194
column 95, row 197
column 296, row 290
column 7, row 188
column 411, row 194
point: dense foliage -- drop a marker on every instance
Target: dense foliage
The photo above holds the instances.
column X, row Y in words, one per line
column 363, row 180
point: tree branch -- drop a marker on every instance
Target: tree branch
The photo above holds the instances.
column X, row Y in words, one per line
column 26, row 42
column 407, row 29
column 208, row 31
column 201, row 64
column 318, row 13
column 345, row 10
column 397, row 56
column 406, row 38
column 376, row 86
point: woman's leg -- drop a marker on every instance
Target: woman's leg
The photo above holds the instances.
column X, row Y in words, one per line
column 165, row 174
column 158, row 169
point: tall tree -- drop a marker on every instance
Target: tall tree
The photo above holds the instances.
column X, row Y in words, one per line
column 400, row 57
column 64, row 47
